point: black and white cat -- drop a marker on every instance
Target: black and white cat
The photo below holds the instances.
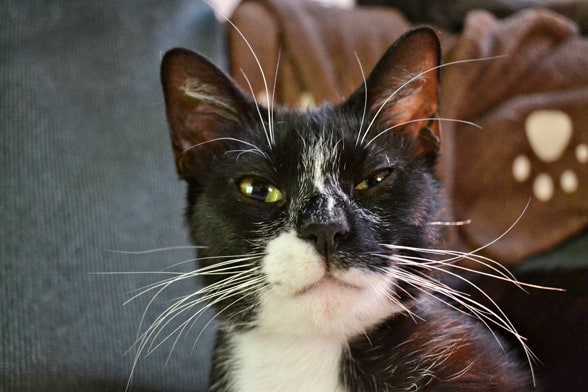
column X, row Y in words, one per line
column 315, row 229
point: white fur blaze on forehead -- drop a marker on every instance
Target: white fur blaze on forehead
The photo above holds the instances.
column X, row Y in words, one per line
column 318, row 161
column 318, row 171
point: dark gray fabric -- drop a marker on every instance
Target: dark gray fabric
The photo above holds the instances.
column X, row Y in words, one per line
column 86, row 171
column 573, row 254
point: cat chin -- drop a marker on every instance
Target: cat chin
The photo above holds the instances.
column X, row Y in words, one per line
column 304, row 298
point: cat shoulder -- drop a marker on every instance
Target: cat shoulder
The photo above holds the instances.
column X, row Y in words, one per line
column 435, row 348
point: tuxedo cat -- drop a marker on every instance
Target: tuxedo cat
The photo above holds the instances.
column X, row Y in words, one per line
column 318, row 235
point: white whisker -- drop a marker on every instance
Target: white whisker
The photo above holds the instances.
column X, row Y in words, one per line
column 450, row 223
column 155, row 250
column 208, row 270
column 502, row 271
column 257, row 285
column 242, row 152
column 233, row 285
column 392, row 295
column 232, row 139
column 181, row 306
column 482, row 312
column 419, row 120
column 272, row 101
column 163, row 285
column 257, row 61
column 365, row 99
column 416, row 77
column 267, row 132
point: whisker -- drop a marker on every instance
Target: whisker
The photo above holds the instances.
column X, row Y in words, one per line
column 472, row 255
column 260, row 283
column 174, row 313
column 253, row 146
column 416, row 77
column 418, row 120
column 266, row 131
column 163, row 285
column 450, row 223
column 191, row 321
column 272, row 101
column 513, row 280
column 242, row 152
column 155, row 250
column 428, row 287
column 233, row 258
column 502, row 271
column 150, row 338
column 208, row 270
column 481, row 312
column 256, row 59
column 392, row 295
column 365, row 98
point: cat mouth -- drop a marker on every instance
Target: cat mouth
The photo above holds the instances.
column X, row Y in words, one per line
column 327, row 282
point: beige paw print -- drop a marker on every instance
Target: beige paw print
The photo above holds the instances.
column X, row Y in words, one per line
column 305, row 101
column 549, row 133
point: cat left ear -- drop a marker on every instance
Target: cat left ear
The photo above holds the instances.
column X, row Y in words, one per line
column 403, row 89
column 203, row 107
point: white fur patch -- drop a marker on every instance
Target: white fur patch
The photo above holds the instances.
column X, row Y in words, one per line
column 319, row 158
column 270, row 363
column 316, row 159
column 302, row 299
column 305, row 319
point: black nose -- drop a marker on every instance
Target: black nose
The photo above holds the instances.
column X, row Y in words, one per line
column 326, row 236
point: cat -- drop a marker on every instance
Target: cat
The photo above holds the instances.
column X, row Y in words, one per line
column 318, row 236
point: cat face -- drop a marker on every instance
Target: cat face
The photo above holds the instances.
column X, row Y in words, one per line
column 296, row 211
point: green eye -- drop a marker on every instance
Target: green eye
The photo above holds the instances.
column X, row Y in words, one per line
column 373, row 180
column 260, row 191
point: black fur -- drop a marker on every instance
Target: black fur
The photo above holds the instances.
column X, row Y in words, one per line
column 220, row 137
column 437, row 350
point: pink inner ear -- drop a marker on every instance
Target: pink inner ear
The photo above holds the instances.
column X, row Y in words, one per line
column 403, row 88
column 414, row 115
column 202, row 103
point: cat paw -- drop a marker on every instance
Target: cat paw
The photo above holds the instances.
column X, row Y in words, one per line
column 549, row 133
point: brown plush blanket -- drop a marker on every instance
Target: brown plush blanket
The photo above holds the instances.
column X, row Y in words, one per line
column 316, row 47
column 529, row 94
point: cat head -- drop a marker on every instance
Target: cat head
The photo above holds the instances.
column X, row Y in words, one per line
column 298, row 209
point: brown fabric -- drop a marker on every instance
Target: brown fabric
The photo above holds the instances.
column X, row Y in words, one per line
column 316, row 46
column 451, row 14
column 543, row 67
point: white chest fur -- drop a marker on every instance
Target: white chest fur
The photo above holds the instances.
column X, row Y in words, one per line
column 306, row 316
column 268, row 363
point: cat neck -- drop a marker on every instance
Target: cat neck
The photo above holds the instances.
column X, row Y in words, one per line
column 269, row 362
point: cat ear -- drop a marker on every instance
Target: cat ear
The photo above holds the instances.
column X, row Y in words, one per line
column 403, row 89
column 203, row 106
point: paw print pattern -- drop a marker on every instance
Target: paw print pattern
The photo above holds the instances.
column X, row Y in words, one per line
column 549, row 133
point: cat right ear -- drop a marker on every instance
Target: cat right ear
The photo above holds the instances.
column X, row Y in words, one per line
column 203, row 106
column 402, row 91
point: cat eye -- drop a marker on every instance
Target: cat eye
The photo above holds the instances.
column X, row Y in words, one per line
column 260, row 190
column 373, row 180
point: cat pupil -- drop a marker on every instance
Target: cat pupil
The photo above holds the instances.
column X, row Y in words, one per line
column 260, row 190
column 373, row 180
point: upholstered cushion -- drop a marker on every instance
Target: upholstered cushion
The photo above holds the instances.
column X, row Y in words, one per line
column 87, row 171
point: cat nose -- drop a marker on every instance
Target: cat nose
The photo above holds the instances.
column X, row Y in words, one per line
column 326, row 236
